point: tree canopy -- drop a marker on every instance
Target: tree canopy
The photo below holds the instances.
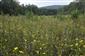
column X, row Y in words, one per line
column 12, row 7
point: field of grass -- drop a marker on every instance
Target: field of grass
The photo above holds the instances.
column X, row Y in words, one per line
column 42, row 36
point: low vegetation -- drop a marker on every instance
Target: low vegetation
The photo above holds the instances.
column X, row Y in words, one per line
column 42, row 36
column 32, row 31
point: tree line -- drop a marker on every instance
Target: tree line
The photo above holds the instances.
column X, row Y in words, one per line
column 12, row 7
column 77, row 5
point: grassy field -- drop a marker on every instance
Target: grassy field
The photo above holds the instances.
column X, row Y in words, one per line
column 42, row 36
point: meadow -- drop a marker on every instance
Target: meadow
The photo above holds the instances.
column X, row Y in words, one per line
column 42, row 36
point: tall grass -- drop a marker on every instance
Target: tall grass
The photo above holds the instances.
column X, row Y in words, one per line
column 42, row 36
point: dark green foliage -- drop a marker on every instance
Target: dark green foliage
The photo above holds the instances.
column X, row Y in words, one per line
column 80, row 6
column 29, row 14
column 12, row 7
column 74, row 14
column 9, row 7
column 47, row 12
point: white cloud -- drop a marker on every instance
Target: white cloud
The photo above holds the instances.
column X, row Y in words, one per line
column 41, row 3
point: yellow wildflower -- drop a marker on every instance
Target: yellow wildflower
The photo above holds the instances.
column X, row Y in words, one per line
column 25, row 40
column 81, row 41
column 43, row 44
column 34, row 40
column 84, row 46
column 40, row 48
column 15, row 48
column 71, row 45
column 37, row 52
column 43, row 53
column 76, row 44
column 21, row 52
column 6, row 40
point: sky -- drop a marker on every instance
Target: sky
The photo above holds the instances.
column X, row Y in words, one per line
column 41, row 3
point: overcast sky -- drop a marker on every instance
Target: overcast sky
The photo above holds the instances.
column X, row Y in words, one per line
column 41, row 3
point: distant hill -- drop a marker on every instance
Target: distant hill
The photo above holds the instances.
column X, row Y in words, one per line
column 53, row 7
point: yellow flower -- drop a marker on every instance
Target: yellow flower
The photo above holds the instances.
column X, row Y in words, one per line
column 71, row 45
column 76, row 44
column 81, row 41
column 43, row 44
column 43, row 53
column 84, row 46
column 37, row 52
column 15, row 48
column 40, row 48
column 21, row 52
column 6, row 40
column 34, row 40
column 25, row 40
